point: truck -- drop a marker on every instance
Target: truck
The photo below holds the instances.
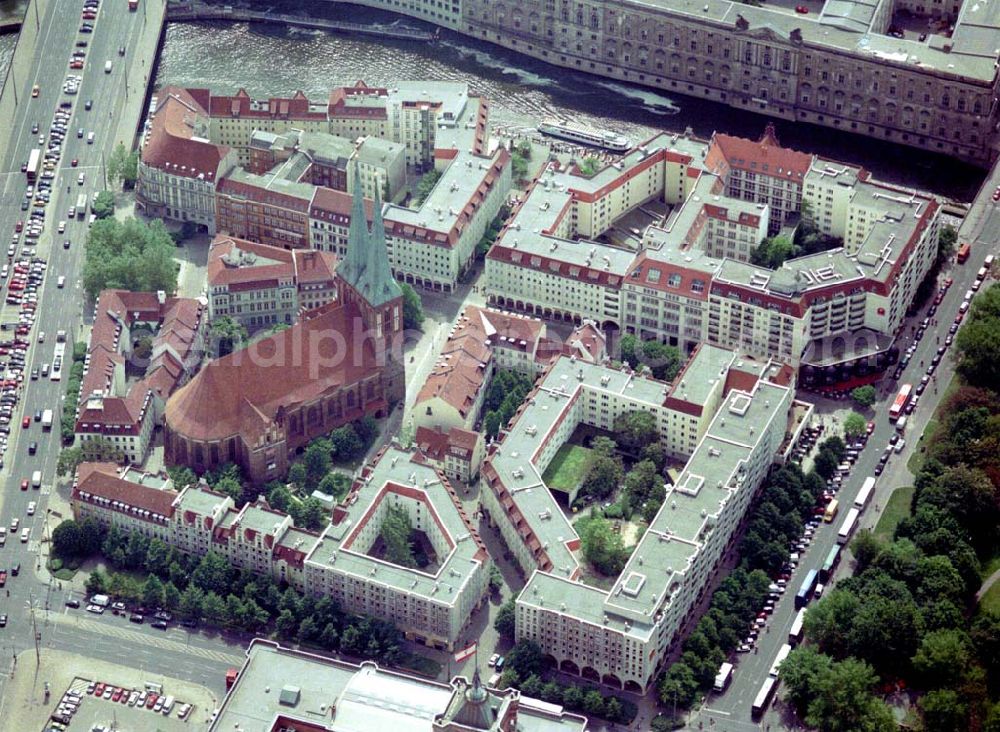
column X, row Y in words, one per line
column 723, row 678
column 963, row 253
column 102, row 600
column 81, row 205
column 47, row 419
column 36, row 479
column 34, row 157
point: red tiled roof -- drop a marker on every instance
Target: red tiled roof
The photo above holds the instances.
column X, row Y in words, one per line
column 328, row 201
column 763, row 157
column 170, row 145
column 296, row 365
column 101, row 479
column 652, row 273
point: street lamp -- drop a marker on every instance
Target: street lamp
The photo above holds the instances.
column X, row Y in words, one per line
column 31, row 604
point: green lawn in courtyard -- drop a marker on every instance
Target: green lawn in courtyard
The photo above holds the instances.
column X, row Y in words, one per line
column 566, row 469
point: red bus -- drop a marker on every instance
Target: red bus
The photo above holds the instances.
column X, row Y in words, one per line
column 896, row 410
column 963, row 253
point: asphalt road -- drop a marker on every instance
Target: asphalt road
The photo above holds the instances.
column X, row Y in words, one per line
column 731, row 710
column 194, row 656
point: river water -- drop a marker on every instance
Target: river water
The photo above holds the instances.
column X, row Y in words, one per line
column 273, row 60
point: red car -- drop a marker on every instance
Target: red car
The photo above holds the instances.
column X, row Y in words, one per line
column 871, row 427
column 996, row 194
column 76, row 64
column 802, row 9
column 948, row 281
column 24, row 484
column 3, row 577
column 151, row 701
column 117, row 695
column 19, row 227
column 74, row 162
column 99, row 690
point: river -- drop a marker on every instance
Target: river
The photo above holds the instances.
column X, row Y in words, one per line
column 270, row 60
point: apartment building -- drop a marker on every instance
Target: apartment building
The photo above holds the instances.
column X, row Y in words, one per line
column 268, row 209
column 725, row 415
column 114, row 409
column 130, row 499
column 280, row 688
column 260, row 286
column 333, row 160
column 430, row 604
column 456, row 452
column 691, row 280
column 762, row 172
column 179, row 167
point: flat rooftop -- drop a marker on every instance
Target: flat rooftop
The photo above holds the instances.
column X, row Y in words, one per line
column 396, row 468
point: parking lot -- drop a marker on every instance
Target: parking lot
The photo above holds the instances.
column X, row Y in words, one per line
column 91, row 706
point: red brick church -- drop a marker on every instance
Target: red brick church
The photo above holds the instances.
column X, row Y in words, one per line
column 257, row 406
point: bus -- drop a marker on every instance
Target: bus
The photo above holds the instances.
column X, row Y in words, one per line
column 764, row 697
column 867, row 488
column 32, row 170
column 902, row 398
column 963, row 253
column 795, row 634
column 831, row 510
column 806, row 589
column 832, row 558
column 847, row 528
column 782, row 655
column 723, row 678
column 57, row 362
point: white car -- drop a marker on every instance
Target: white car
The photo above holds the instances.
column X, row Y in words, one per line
column 62, row 227
column 31, row 508
column 96, row 609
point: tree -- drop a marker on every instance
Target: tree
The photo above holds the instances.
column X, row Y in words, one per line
column 978, row 341
column 152, row 592
column 66, row 539
column 505, row 620
column 802, row 674
column 663, row 361
column 496, row 582
column 628, row 346
column 593, row 703
column 425, row 186
column 103, row 206
column 335, row 484
column 525, row 658
column 181, row 476
column 864, row 396
column 413, row 308
column 129, row 254
column 844, row 702
column 130, row 169
column 572, row 697
column 279, row 498
column 604, row 474
column 943, row 656
column 346, row 443
column 97, row 582
column 613, row 709
column 635, row 430
column 213, row 573
column 158, row 557
column 191, row 602
column 286, row 625
column 396, row 532
column 229, row 335
column 69, row 460
column 772, row 252
column 855, row 425
column 230, row 486
column 310, row 513
column 213, row 608
column 601, row 546
column 317, row 461
column 116, row 162
column 825, row 463
column 943, row 711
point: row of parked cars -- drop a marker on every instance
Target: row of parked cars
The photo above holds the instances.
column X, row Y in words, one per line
column 156, row 702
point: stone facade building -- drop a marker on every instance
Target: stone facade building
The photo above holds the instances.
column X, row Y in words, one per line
column 838, row 68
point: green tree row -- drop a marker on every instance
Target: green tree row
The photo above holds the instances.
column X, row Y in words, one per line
column 524, row 670
column 130, row 255
column 507, row 391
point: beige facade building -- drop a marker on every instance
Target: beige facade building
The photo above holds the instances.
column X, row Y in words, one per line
column 691, row 281
column 260, row 286
column 726, row 416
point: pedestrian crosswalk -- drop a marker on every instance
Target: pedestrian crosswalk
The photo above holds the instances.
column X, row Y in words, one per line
column 125, row 636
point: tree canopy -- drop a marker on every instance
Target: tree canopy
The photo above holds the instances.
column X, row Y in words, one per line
column 130, row 255
column 413, row 308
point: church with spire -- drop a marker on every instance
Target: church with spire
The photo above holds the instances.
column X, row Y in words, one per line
column 258, row 406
